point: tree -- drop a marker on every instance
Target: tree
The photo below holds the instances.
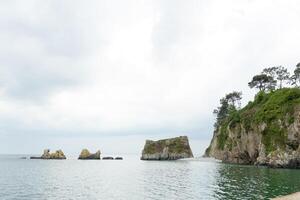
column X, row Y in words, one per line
column 278, row 73
column 222, row 110
column 295, row 78
column 282, row 75
column 233, row 98
column 263, row 82
column 228, row 104
column 271, row 71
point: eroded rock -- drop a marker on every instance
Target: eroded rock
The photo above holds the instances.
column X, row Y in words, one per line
column 57, row 155
column 167, row 149
column 248, row 145
column 86, row 155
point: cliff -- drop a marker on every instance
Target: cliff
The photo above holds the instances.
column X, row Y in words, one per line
column 265, row 132
column 167, row 149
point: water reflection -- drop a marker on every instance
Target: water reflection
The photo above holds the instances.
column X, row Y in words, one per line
column 134, row 179
column 248, row 182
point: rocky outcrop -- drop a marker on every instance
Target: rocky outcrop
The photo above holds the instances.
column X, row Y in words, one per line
column 244, row 146
column 57, row 155
column 118, row 158
column 167, row 149
column 107, row 158
column 86, row 155
column 265, row 133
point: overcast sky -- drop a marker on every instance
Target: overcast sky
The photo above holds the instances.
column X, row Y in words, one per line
column 110, row 74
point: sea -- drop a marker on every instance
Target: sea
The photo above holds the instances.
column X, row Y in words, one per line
column 131, row 179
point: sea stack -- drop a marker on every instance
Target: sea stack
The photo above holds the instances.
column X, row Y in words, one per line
column 86, row 155
column 57, row 155
column 167, row 149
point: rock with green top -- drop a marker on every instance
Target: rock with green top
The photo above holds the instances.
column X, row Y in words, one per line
column 265, row 132
column 167, row 149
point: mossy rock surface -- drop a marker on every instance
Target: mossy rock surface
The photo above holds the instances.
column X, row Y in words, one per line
column 275, row 109
column 167, row 149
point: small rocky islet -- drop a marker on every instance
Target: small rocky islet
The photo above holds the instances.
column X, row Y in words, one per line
column 57, row 155
column 167, row 149
column 86, row 155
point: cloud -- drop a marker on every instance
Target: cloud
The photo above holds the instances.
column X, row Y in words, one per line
column 136, row 68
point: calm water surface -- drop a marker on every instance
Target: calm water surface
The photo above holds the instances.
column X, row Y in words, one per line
column 134, row 179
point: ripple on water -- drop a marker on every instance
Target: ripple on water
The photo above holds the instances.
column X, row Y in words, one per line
column 135, row 179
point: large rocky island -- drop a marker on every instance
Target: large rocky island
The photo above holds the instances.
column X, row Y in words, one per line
column 167, row 149
column 264, row 132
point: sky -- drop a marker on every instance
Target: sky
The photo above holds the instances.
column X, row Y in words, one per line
column 108, row 75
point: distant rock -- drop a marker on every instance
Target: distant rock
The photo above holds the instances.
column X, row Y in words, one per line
column 86, row 155
column 167, row 149
column 35, row 157
column 118, row 158
column 107, row 158
column 57, row 155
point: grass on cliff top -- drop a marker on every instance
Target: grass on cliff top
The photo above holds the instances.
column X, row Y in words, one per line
column 275, row 109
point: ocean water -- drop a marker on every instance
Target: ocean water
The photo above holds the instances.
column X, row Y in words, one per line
column 133, row 179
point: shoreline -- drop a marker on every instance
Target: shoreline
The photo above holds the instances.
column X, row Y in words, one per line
column 294, row 196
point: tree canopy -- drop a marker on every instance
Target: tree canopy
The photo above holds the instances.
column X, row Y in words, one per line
column 269, row 79
column 229, row 103
column 262, row 82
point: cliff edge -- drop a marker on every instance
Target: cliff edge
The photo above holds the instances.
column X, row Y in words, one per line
column 265, row 132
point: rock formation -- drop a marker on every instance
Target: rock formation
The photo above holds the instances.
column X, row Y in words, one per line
column 57, row 155
column 265, row 132
column 86, row 155
column 167, row 149
column 107, row 158
column 118, row 158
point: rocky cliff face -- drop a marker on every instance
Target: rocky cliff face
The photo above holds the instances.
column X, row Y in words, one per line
column 260, row 135
column 86, row 155
column 167, row 149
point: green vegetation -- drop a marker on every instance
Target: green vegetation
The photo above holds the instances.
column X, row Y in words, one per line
column 275, row 109
column 272, row 108
column 175, row 145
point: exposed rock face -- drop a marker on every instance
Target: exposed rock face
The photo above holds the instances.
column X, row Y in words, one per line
column 86, row 155
column 251, row 146
column 57, row 155
column 167, row 149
